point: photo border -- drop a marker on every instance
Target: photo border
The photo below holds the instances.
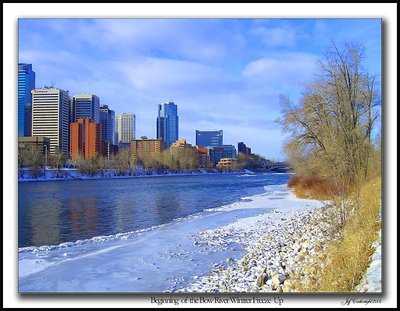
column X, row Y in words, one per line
column 11, row 12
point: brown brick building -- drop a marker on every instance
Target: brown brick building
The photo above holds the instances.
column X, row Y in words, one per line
column 204, row 158
column 143, row 148
column 85, row 139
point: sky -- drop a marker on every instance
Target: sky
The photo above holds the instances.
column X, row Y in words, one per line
column 223, row 74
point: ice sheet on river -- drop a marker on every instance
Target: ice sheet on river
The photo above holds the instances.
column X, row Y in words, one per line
column 165, row 258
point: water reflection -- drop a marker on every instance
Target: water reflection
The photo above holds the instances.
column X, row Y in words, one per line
column 167, row 206
column 45, row 221
column 56, row 212
column 84, row 217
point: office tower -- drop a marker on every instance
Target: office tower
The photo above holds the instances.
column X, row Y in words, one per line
column 85, row 106
column 209, row 138
column 109, row 150
column 50, row 117
column 125, row 125
column 242, row 148
column 85, row 139
column 167, row 123
column 107, row 121
column 219, row 152
column 26, row 83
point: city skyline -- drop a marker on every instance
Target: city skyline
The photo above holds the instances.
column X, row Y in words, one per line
column 224, row 74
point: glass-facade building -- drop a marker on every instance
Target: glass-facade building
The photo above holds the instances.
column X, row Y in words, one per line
column 107, row 121
column 218, row 152
column 85, row 106
column 209, row 138
column 167, row 123
column 26, row 83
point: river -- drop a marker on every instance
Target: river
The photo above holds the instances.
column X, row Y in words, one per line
column 54, row 212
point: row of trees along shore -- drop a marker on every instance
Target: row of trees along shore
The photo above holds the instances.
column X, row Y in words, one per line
column 335, row 156
column 173, row 159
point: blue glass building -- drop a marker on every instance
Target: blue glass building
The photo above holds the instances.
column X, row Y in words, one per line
column 167, row 123
column 86, row 106
column 107, row 121
column 218, row 152
column 26, row 83
column 209, row 138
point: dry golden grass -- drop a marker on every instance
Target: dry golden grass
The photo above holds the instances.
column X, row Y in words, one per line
column 310, row 187
column 347, row 260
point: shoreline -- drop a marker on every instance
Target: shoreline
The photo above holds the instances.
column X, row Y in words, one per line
column 74, row 175
column 178, row 264
column 269, row 242
column 277, row 260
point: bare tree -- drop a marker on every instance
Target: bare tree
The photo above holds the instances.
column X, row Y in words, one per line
column 122, row 161
column 331, row 126
column 32, row 158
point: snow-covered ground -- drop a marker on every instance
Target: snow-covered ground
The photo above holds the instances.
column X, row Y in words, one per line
column 372, row 279
column 167, row 258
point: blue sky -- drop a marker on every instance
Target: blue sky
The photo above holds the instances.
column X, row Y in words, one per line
column 222, row 73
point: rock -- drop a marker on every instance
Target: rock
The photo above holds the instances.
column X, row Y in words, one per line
column 260, row 281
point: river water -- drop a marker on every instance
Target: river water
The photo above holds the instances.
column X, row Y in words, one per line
column 53, row 212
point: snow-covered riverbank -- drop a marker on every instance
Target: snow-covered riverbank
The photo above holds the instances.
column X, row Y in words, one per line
column 278, row 246
column 178, row 256
column 71, row 174
column 372, row 279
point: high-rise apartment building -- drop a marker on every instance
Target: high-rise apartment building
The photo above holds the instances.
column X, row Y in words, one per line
column 209, row 138
column 85, row 139
column 144, row 148
column 107, row 121
column 26, row 83
column 125, row 128
column 85, row 106
column 50, row 117
column 167, row 123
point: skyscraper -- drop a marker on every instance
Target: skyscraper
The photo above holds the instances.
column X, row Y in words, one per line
column 85, row 106
column 50, row 117
column 26, row 83
column 107, row 120
column 125, row 127
column 167, row 123
column 209, row 138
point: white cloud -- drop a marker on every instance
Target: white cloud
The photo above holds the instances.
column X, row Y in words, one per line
column 285, row 72
column 177, row 77
column 275, row 36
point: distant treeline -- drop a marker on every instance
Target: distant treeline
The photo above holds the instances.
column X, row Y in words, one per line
column 173, row 160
